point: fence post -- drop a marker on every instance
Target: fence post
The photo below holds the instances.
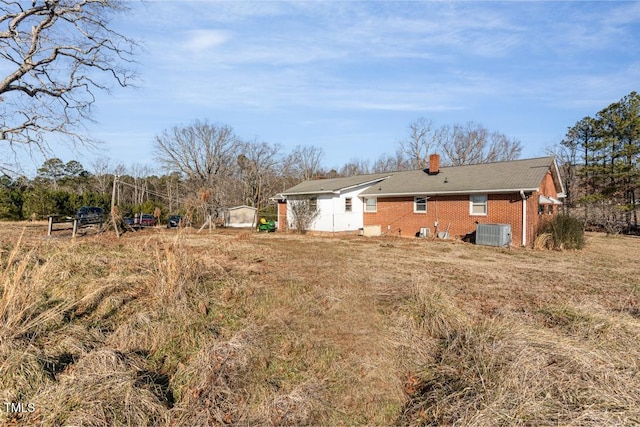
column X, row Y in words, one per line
column 50, row 229
column 75, row 227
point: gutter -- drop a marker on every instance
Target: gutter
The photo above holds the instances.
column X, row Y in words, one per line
column 309, row 193
column 446, row 193
column 524, row 218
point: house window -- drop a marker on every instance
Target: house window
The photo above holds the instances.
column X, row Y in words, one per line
column 348, row 207
column 545, row 209
column 420, row 204
column 313, row 204
column 370, row 205
column 478, row 204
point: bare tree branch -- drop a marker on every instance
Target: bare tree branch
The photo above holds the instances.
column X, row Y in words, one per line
column 422, row 140
column 304, row 162
column 57, row 53
column 205, row 154
column 472, row 143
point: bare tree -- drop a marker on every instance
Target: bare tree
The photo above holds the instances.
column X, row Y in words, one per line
column 304, row 162
column 102, row 174
column 258, row 164
column 502, row 148
column 140, row 175
column 423, row 140
column 205, row 154
column 355, row 166
column 472, row 143
column 465, row 144
column 388, row 163
column 54, row 55
column 565, row 154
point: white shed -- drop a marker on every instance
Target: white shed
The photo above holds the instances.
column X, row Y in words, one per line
column 240, row 216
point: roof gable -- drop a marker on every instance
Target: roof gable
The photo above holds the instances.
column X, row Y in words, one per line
column 334, row 185
column 242, row 207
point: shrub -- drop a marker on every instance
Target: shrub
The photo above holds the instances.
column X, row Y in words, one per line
column 562, row 232
column 303, row 214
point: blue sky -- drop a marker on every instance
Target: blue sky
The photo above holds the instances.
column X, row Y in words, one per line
column 350, row 76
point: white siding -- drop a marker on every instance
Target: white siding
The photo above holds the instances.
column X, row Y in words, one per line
column 333, row 217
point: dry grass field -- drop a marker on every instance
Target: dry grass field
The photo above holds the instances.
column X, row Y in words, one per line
column 166, row 327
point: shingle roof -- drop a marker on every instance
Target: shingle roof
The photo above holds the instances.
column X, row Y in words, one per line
column 508, row 176
column 513, row 175
column 333, row 185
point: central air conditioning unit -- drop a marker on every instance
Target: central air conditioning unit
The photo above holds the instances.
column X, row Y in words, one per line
column 493, row 234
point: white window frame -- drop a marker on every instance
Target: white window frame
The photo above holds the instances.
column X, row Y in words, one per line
column 313, row 203
column 366, row 206
column 474, row 203
column 348, row 204
column 415, row 204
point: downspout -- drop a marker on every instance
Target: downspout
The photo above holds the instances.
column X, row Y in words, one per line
column 524, row 218
column 435, row 224
column 333, row 221
column 278, row 218
column 333, row 215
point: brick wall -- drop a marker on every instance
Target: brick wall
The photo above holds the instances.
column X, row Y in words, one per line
column 547, row 187
column 282, row 215
column 396, row 217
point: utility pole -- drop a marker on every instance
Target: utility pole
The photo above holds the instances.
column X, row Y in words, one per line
column 257, row 218
column 113, row 206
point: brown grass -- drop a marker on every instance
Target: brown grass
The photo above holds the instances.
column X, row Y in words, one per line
column 177, row 328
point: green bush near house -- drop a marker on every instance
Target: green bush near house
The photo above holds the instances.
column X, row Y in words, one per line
column 563, row 231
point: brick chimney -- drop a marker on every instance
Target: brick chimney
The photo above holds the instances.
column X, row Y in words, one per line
column 434, row 164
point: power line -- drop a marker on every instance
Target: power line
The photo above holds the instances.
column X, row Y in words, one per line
column 164, row 196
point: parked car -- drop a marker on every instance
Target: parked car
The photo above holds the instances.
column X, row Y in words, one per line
column 147, row 220
column 90, row 215
column 129, row 221
column 174, row 221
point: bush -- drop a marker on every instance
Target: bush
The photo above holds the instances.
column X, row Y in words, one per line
column 561, row 232
column 303, row 214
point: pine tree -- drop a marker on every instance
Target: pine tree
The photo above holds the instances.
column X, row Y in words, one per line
column 604, row 156
column 620, row 127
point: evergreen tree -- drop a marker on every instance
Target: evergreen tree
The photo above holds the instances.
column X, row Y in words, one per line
column 11, row 198
column 620, row 127
column 605, row 152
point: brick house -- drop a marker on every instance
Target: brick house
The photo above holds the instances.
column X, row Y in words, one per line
column 438, row 199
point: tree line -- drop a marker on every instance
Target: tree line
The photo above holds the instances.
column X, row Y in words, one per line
column 600, row 160
column 206, row 168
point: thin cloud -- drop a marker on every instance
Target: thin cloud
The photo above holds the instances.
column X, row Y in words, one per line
column 203, row 40
column 257, row 62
